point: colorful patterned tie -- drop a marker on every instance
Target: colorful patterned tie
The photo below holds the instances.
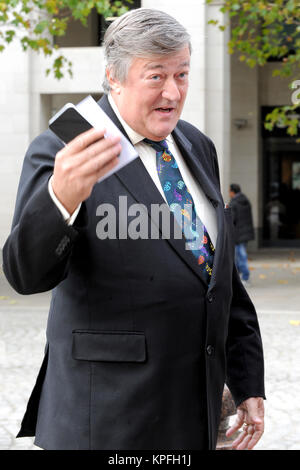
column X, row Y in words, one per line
column 182, row 205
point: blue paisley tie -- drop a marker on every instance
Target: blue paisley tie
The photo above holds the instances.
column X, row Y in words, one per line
column 182, row 205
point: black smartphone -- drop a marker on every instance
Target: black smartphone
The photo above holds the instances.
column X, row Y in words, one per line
column 68, row 123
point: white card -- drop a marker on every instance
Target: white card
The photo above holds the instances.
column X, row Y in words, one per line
column 92, row 112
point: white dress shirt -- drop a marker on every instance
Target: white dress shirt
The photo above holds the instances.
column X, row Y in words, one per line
column 147, row 154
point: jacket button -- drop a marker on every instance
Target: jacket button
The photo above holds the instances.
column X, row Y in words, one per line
column 210, row 350
column 210, row 297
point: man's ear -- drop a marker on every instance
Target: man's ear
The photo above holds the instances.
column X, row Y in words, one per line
column 114, row 84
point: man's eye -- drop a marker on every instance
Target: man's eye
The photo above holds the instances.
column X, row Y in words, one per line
column 183, row 75
column 155, row 77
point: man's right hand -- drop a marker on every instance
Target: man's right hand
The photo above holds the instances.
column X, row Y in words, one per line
column 80, row 164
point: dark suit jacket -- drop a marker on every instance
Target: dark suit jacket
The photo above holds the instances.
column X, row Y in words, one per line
column 138, row 348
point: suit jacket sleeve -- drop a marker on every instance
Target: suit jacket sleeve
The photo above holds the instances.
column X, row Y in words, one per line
column 245, row 362
column 37, row 251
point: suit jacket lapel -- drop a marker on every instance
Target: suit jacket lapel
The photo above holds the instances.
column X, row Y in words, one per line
column 140, row 185
column 195, row 165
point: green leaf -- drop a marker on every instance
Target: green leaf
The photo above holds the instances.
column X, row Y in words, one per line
column 40, row 27
column 9, row 35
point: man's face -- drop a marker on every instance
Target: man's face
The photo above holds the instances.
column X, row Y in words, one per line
column 152, row 97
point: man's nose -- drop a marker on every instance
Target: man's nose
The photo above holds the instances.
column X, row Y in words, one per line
column 171, row 91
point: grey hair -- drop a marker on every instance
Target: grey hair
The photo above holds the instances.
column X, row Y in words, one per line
column 142, row 32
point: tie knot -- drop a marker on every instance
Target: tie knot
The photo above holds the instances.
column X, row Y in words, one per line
column 158, row 146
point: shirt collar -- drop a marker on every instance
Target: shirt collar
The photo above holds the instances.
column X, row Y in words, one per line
column 134, row 136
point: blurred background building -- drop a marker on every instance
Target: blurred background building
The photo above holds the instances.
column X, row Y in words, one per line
column 227, row 100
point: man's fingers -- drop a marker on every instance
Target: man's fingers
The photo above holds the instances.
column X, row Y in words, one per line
column 93, row 177
column 244, row 444
column 99, row 147
column 97, row 163
column 236, row 425
column 239, row 439
column 109, row 166
column 254, row 439
column 255, row 431
column 84, row 140
column 251, row 411
column 91, row 158
column 81, row 163
column 249, row 437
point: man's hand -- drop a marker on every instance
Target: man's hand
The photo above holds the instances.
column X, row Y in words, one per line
column 80, row 164
column 250, row 415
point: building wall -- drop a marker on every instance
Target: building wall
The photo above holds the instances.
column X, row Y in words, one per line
column 245, row 141
column 273, row 91
column 218, row 92
column 14, row 128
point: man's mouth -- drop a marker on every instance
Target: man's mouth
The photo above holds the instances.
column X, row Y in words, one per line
column 164, row 110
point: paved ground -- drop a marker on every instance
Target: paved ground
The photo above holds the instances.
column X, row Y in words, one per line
column 275, row 292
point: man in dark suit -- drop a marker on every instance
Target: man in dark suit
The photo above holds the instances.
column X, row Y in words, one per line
column 143, row 331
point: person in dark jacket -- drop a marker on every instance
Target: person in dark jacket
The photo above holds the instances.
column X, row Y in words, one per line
column 244, row 231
